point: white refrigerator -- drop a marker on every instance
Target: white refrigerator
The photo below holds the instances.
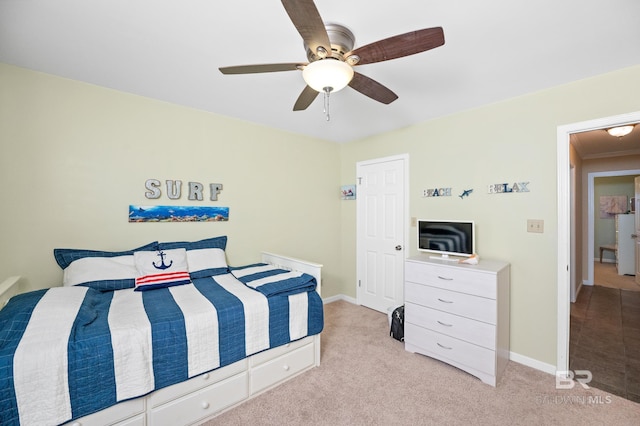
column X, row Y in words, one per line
column 626, row 256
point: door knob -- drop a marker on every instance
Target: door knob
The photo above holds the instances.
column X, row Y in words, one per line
column 398, row 247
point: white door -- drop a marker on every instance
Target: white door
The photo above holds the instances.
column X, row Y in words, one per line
column 637, row 227
column 381, row 232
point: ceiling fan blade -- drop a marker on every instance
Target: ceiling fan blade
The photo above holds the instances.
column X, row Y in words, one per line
column 306, row 18
column 307, row 96
column 251, row 69
column 401, row 45
column 371, row 88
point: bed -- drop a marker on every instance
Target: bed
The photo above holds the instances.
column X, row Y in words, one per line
column 164, row 334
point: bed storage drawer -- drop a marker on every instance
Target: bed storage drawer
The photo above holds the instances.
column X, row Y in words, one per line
column 138, row 420
column 180, row 389
column 278, row 369
column 201, row 404
column 265, row 356
column 115, row 414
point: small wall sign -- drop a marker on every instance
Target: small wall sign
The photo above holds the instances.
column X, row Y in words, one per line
column 348, row 192
column 465, row 193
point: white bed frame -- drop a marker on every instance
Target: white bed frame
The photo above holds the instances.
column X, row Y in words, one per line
column 203, row 397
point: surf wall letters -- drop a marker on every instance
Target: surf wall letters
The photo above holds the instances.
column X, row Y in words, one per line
column 173, row 190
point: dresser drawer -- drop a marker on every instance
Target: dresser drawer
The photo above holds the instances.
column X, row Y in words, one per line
column 449, row 349
column 465, row 305
column 201, row 404
column 462, row 278
column 476, row 332
column 268, row 373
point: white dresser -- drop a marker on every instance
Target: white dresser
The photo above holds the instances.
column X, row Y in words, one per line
column 459, row 314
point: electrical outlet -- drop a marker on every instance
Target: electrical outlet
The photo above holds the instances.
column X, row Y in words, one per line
column 535, row 225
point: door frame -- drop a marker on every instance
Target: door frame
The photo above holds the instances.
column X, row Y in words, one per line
column 564, row 220
column 360, row 206
column 591, row 203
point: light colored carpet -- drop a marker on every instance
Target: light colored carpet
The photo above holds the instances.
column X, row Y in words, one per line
column 606, row 275
column 366, row 377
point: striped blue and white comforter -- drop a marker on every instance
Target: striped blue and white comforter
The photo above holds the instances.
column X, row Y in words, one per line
column 67, row 352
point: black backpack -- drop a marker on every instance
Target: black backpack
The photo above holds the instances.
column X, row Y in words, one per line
column 397, row 324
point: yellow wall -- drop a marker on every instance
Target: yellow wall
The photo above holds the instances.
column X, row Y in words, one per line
column 509, row 141
column 75, row 156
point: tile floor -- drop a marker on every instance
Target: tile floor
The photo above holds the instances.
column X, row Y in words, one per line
column 605, row 339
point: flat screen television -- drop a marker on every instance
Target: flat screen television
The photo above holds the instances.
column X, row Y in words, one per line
column 444, row 238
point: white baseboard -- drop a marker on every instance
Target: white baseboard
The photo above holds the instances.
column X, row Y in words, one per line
column 533, row 363
column 339, row 297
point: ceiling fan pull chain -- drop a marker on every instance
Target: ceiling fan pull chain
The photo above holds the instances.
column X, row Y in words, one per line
column 327, row 91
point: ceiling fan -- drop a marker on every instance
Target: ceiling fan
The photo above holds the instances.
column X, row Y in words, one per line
column 331, row 56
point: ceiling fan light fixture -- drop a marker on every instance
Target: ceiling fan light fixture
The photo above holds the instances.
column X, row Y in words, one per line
column 327, row 75
column 620, row 131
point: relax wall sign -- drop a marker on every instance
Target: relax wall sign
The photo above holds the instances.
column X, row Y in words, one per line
column 504, row 188
column 195, row 190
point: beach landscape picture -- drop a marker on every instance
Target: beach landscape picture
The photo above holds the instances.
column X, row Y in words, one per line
column 178, row 214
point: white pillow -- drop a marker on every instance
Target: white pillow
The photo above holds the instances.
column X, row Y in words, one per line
column 209, row 259
column 93, row 269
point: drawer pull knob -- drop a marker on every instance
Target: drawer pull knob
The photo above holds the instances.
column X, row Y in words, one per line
column 76, row 424
column 444, row 347
column 286, row 367
column 205, row 404
column 206, row 376
column 445, row 324
column 445, row 301
column 445, row 278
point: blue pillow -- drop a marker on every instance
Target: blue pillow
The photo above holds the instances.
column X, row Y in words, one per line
column 64, row 257
column 215, row 242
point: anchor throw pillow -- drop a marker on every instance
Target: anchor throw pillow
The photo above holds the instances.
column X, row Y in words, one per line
column 161, row 268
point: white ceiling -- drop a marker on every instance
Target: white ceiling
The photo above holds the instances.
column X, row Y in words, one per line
column 171, row 50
